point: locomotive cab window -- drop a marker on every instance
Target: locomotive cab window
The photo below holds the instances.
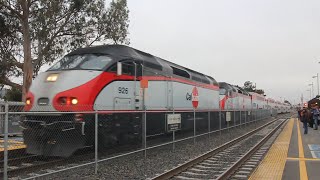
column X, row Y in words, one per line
column 83, row 61
column 128, row 68
column 113, row 68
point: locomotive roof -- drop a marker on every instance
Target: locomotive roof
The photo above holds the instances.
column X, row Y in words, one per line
column 119, row 52
column 226, row 85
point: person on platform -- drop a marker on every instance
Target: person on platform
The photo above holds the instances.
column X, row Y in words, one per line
column 315, row 115
column 299, row 113
column 305, row 118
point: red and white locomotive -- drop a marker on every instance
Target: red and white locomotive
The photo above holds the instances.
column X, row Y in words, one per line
column 106, row 79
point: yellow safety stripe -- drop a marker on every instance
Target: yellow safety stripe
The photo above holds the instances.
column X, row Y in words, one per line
column 273, row 164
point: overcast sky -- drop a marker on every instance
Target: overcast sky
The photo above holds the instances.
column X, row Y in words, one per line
column 274, row 43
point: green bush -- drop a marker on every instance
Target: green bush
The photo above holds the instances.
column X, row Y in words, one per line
column 13, row 94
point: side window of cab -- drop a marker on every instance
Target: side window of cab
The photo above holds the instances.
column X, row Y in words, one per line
column 128, row 68
column 113, row 68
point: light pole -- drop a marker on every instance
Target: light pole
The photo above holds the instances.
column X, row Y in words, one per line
column 311, row 88
column 310, row 92
column 317, row 76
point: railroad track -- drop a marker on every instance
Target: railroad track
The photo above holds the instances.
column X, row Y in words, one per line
column 18, row 159
column 31, row 165
column 13, row 153
column 28, row 163
column 227, row 161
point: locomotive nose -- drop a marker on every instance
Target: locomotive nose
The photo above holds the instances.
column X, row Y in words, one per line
column 49, row 88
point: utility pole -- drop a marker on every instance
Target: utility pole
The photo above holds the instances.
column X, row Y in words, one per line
column 310, row 92
column 311, row 89
column 317, row 76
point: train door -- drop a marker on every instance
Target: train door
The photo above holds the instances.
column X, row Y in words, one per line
column 126, row 91
column 138, row 92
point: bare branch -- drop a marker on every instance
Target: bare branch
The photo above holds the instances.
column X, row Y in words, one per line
column 16, row 63
column 96, row 39
column 6, row 81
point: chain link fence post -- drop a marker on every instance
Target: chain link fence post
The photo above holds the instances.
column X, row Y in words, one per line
column 96, row 142
column 5, row 155
column 234, row 118
column 255, row 117
column 260, row 114
column 240, row 119
column 245, row 118
column 173, row 136
column 220, row 122
column 209, row 124
column 144, row 123
column 194, row 126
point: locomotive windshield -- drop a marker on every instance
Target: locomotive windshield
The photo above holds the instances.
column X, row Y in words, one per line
column 83, row 61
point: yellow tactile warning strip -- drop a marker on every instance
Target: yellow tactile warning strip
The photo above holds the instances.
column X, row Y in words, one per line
column 273, row 164
column 12, row 145
column 302, row 162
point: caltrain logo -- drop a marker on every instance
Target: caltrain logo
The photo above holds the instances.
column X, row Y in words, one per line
column 195, row 97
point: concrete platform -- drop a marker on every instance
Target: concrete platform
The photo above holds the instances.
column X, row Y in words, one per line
column 14, row 143
column 294, row 155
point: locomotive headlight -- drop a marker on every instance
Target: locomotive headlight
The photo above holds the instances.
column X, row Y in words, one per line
column 68, row 101
column 74, row 101
column 28, row 101
column 52, row 77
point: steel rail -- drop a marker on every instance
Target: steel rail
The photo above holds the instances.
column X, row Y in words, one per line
column 16, row 160
column 231, row 170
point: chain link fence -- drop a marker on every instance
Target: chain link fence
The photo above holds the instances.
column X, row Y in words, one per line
column 103, row 135
column 135, row 122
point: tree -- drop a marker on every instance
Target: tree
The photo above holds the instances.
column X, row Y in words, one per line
column 13, row 94
column 248, row 86
column 37, row 32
